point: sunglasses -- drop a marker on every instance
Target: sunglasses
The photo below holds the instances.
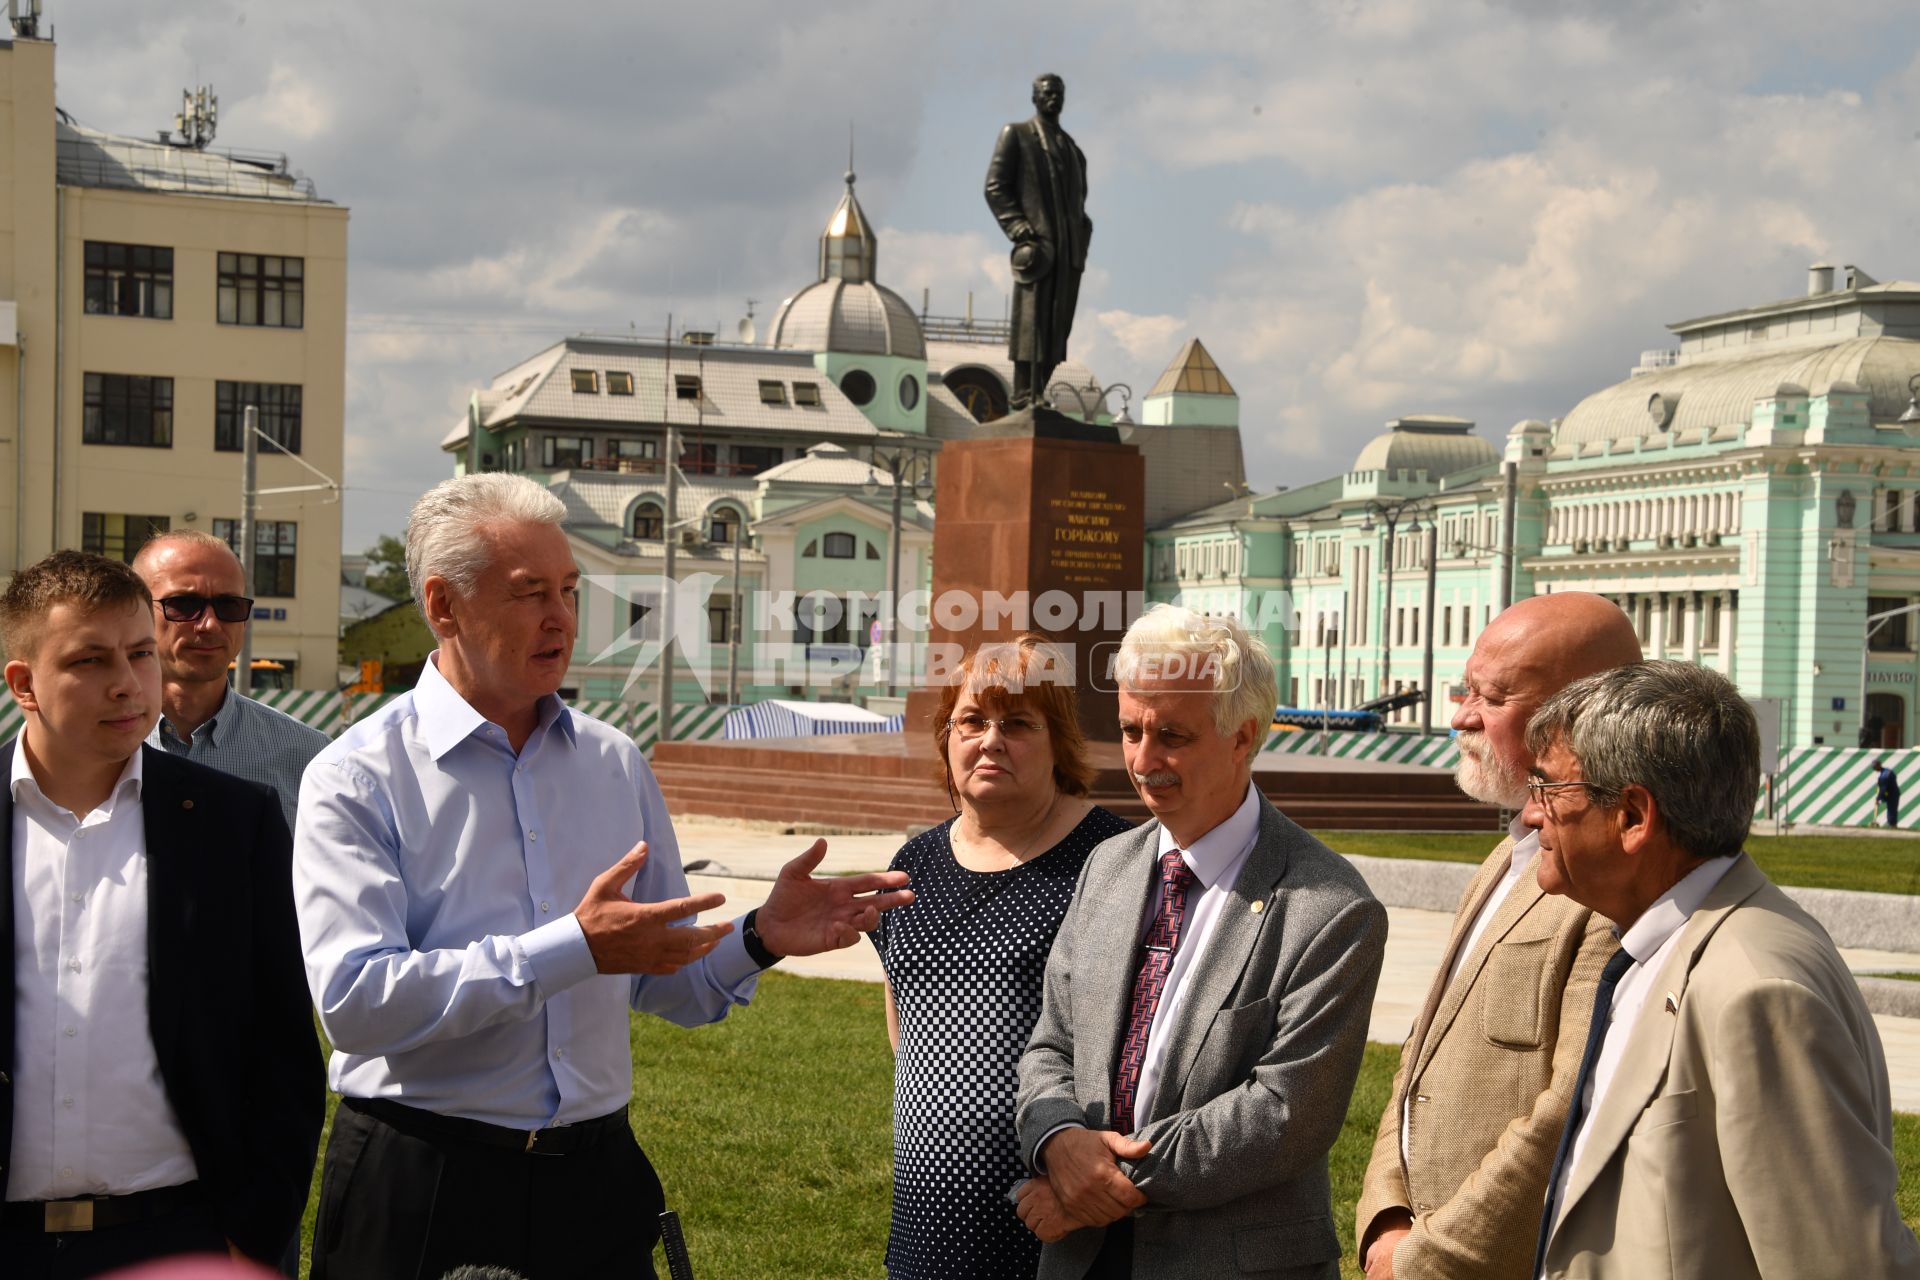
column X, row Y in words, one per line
column 188, row 608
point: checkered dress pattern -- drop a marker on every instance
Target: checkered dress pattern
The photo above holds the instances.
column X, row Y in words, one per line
column 1156, row 960
column 966, row 961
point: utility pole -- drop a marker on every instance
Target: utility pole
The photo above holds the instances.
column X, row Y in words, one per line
column 671, row 461
column 249, row 495
column 1509, row 505
column 893, row 582
column 733, row 617
column 1433, row 583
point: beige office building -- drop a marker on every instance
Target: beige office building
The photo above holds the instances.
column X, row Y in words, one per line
column 149, row 291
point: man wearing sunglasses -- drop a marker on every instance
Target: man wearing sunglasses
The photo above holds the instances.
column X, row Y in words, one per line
column 200, row 612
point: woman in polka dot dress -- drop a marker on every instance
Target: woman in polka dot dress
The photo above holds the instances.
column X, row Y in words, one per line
column 965, row 960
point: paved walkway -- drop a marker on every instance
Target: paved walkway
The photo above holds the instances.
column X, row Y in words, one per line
column 1415, row 939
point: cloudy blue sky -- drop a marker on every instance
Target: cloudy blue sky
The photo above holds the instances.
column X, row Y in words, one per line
column 1364, row 209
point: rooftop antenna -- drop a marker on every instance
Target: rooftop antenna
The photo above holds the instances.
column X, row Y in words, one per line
column 199, row 116
column 849, row 153
column 26, row 26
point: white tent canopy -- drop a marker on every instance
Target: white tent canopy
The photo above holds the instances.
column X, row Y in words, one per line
column 783, row 718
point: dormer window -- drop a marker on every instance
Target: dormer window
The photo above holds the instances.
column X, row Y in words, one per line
column 686, row 386
column 772, row 391
column 619, row 382
column 807, row 394
column 586, row 382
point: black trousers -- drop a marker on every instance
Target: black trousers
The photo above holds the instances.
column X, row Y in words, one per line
column 76, row 1255
column 1115, row 1259
column 399, row 1201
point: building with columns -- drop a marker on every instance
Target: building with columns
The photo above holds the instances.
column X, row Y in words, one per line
column 1750, row 498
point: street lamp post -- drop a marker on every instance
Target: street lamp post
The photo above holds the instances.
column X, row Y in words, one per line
column 1090, row 409
column 902, row 465
column 1390, row 513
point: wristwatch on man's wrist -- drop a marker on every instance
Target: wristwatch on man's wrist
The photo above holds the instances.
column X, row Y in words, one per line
column 757, row 948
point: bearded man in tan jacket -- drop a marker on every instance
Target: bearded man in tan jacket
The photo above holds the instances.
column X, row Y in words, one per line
column 1459, row 1168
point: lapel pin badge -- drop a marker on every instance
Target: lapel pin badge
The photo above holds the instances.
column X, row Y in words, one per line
column 186, row 804
column 1258, row 905
column 1673, row 1003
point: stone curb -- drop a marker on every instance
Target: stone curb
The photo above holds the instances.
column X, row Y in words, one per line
column 1890, row 997
column 1868, row 921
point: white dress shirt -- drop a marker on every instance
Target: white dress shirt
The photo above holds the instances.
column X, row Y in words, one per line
column 435, row 873
column 1215, row 859
column 1526, row 843
column 1650, row 941
column 90, row 1114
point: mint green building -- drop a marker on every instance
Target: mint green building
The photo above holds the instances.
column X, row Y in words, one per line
column 1749, row 498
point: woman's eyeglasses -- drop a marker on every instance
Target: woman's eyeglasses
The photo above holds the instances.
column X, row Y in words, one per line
column 188, row 608
column 971, row 727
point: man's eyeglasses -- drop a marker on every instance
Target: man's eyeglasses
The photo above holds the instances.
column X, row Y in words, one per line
column 188, row 608
column 971, row 727
column 1539, row 787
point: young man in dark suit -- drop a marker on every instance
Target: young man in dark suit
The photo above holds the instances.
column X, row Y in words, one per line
column 160, row 1083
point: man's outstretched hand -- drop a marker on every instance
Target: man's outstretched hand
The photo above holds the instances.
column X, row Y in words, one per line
column 640, row 937
column 807, row 914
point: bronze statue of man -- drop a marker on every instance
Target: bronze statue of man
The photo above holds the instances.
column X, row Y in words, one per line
column 1037, row 189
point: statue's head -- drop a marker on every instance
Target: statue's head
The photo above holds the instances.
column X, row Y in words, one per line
column 1049, row 94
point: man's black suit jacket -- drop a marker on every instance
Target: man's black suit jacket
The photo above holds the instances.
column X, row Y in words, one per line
column 227, row 1002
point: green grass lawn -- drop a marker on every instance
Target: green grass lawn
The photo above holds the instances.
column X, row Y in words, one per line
column 1873, row 864
column 772, row 1133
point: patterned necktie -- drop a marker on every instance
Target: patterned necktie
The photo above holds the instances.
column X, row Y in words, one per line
column 1156, row 960
column 1596, row 1038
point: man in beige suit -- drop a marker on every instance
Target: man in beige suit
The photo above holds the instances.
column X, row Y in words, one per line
column 1460, row 1163
column 1731, row 1115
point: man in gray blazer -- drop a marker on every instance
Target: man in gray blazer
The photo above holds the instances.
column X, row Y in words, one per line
column 1206, row 999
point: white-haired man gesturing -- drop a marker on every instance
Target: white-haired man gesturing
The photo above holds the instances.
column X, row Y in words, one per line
column 478, row 918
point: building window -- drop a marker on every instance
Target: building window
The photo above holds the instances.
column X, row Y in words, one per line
column 807, row 394
column 813, row 550
column 752, row 459
column 636, row 455
column 279, row 405
column 129, row 280
column 822, row 619
column 723, row 525
column 909, row 392
column 619, row 382
column 700, row 459
column 126, row 408
column 858, row 386
column 1446, row 625
column 649, row 523
column 686, row 386
column 273, row 553
column 838, row 546
column 773, row 391
column 1892, row 635
column 119, row 537
column 559, row 453
column 586, row 382
column 258, row 289
column 642, row 621
column 719, row 620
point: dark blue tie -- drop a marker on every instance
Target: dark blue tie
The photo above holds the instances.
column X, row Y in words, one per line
column 1596, row 1037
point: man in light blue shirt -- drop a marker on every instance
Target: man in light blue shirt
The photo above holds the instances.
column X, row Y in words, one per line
column 478, row 918
column 200, row 614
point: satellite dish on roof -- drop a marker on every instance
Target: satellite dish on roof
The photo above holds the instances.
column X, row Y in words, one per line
column 748, row 333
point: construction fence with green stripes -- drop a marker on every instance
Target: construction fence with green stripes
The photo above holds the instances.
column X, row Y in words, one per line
column 331, row 713
column 1829, row 786
column 1825, row 786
